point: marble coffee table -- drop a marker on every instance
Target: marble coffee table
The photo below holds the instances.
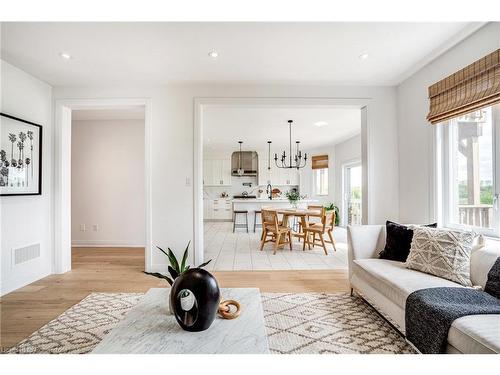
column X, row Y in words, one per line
column 150, row 328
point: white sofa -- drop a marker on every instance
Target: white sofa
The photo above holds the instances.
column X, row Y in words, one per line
column 386, row 284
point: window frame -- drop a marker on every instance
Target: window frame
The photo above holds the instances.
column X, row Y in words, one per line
column 445, row 175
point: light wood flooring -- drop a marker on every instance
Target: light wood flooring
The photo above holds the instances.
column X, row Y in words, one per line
column 120, row 270
column 240, row 251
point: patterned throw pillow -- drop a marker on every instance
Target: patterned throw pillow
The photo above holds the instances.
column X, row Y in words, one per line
column 442, row 252
column 398, row 241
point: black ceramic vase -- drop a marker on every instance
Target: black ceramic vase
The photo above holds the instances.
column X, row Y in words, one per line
column 195, row 298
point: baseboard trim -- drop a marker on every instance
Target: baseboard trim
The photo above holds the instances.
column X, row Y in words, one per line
column 105, row 243
column 14, row 284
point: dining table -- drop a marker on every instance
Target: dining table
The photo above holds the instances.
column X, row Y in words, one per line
column 300, row 214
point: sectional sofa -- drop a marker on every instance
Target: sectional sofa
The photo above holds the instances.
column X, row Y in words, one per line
column 386, row 284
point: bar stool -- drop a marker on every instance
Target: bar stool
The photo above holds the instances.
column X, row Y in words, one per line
column 245, row 212
column 255, row 214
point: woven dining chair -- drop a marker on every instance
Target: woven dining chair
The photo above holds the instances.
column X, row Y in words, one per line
column 320, row 229
column 272, row 231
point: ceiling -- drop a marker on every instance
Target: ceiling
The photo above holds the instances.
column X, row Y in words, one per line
column 224, row 126
column 156, row 53
column 122, row 113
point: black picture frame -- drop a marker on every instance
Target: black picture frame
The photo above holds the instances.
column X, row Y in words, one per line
column 38, row 154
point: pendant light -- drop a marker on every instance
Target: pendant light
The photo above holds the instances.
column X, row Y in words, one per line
column 295, row 161
column 269, row 155
column 240, row 170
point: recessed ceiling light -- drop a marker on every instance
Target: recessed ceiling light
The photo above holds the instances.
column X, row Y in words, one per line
column 65, row 55
column 319, row 124
column 213, row 54
column 363, row 56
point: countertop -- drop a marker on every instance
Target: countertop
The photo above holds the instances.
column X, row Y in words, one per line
column 267, row 200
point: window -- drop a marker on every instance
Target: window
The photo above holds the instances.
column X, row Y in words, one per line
column 319, row 164
column 321, row 181
column 468, row 170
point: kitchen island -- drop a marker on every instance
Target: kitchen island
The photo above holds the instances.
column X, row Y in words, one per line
column 256, row 204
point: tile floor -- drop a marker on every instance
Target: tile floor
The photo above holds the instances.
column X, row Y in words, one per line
column 240, row 251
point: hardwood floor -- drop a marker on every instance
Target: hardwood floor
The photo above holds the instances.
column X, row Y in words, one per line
column 115, row 270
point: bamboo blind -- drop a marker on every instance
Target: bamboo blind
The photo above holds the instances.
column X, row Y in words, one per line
column 320, row 161
column 471, row 88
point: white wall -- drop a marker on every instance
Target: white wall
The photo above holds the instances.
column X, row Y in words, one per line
column 172, row 147
column 27, row 220
column 107, row 183
column 416, row 197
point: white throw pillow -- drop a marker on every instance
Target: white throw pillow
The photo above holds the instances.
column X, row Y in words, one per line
column 442, row 252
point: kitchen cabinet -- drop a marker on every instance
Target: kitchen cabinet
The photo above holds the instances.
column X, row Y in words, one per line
column 277, row 176
column 264, row 173
column 226, row 171
column 289, row 176
column 218, row 209
column 217, row 172
column 208, row 209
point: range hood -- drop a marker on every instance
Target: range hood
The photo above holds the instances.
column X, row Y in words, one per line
column 249, row 163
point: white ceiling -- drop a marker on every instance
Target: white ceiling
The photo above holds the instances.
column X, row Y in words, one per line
column 156, row 53
column 224, row 126
column 123, row 113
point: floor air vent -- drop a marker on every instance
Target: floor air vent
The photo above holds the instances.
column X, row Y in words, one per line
column 24, row 254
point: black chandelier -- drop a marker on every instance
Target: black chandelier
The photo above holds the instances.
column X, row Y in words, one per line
column 294, row 161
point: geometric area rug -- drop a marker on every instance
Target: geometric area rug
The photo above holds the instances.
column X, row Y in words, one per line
column 318, row 323
column 296, row 323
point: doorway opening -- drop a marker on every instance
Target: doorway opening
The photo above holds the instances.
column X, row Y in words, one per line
column 107, row 183
column 352, row 205
column 234, row 186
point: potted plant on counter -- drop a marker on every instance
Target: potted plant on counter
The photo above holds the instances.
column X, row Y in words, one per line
column 294, row 198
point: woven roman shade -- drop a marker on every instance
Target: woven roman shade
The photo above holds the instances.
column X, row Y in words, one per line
column 471, row 88
column 319, row 161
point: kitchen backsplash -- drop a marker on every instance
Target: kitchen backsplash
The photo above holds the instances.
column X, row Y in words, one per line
column 237, row 188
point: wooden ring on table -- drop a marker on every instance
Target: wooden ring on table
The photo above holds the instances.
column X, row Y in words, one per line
column 225, row 311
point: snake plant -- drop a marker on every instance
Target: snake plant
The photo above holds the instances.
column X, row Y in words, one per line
column 174, row 269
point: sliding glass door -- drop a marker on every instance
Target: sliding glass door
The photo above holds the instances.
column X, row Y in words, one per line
column 352, row 209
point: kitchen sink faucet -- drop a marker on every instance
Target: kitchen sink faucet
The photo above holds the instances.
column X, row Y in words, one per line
column 269, row 191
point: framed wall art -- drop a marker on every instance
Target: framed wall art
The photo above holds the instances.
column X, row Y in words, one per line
column 20, row 156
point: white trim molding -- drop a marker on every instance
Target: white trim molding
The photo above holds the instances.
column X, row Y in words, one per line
column 201, row 102
column 62, row 173
column 105, row 243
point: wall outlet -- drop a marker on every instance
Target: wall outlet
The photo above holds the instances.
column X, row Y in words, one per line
column 83, row 228
column 95, row 227
column 188, row 181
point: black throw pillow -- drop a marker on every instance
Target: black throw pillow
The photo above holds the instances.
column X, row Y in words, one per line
column 493, row 283
column 398, row 241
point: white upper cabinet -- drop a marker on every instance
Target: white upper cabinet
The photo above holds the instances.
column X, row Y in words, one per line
column 264, row 174
column 217, row 172
column 276, row 176
column 292, row 177
column 226, row 171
